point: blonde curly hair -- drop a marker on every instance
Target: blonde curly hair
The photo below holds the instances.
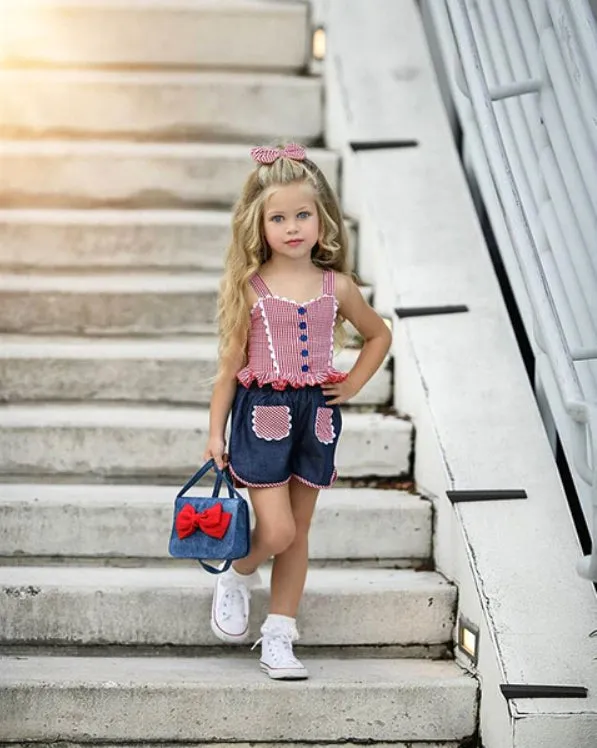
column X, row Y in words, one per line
column 248, row 249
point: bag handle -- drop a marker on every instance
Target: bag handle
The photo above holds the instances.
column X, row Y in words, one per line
column 213, row 570
column 220, row 476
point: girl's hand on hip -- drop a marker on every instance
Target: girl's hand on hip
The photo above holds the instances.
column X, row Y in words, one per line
column 216, row 450
column 341, row 391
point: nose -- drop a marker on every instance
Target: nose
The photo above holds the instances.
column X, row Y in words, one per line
column 291, row 227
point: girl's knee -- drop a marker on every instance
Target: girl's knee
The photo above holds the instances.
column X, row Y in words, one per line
column 277, row 538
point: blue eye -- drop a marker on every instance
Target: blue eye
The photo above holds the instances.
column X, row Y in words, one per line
column 276, row 219
column 304, row 214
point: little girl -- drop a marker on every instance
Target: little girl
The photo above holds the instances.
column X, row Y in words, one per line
column 285, row 292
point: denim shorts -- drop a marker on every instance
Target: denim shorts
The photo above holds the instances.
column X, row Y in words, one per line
column 279, row 434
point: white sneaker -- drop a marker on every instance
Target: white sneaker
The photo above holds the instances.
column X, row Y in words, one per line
column 230, row 606
column 277, row 657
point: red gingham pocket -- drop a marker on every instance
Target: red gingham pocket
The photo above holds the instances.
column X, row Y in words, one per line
column 324, row 427
column 271, row 422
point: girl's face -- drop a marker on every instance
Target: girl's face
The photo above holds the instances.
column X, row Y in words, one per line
column 291, row 220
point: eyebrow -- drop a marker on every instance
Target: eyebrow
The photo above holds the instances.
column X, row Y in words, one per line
column 297, row 210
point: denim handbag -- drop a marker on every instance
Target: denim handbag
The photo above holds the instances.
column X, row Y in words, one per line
column 210, row 527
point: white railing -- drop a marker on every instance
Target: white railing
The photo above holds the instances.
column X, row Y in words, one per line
column 522, row 75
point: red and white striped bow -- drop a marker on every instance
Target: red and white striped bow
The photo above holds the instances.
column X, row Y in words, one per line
column 266, row 155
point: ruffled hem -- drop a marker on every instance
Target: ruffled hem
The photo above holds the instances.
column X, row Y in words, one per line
column 282, row 380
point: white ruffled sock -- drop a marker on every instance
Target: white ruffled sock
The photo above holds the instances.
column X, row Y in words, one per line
column 251, row 580
column 275, row 621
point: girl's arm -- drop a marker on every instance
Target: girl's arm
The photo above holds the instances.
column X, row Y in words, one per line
column 221, row 403
column 376, row 334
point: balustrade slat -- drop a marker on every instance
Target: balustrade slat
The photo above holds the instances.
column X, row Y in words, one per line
column 538, row 148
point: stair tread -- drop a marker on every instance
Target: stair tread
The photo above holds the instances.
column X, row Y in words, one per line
column 336, row 581
column 224, row 672
column 179, row 78
column 133, row 416
column 132, row 282
column 192, row 347
column 178, row 699
column 197, row 346
column 98, row 146
column 148, row 175
column 218, row 6
column 126, row 495
column 197, row 33
column 116, row 217
column 89, row 521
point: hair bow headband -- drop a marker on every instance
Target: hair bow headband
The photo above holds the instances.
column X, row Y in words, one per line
column 265, row 155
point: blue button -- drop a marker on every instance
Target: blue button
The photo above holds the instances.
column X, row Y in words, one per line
column 303, row 325
column 305, row 367
column 303, row 338
column 301, row 310
column 304, row 352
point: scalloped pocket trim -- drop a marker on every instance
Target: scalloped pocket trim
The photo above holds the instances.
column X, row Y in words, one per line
column 271, row 422
column 324, row 426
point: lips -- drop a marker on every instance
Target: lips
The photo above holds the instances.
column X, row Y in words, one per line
column 294, row 242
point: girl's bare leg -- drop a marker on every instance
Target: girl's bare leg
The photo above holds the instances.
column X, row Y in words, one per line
column 290, row 565
column 273, row 533
column 274, row 528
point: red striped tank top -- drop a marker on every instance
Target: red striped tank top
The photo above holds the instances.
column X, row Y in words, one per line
column 291, row 344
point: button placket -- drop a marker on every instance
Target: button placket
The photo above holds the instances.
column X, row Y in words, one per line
column 303, row 337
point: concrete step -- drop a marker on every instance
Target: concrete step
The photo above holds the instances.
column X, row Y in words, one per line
column 130, row 302
column 117, row 441
column 157, row 606
column 297, row 744
column 134, row 303
column 93, row 522
column 132, row 370
column 106, row 239
column 197, row 699
column 58, row 239
column 78, row 174
column 155, row 33
column 245, row 107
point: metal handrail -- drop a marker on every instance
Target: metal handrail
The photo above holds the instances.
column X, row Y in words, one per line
column 555, row 324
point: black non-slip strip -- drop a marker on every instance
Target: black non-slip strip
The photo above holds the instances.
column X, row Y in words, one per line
column 512, row 691
column 506, row 494
column 425, row 311
column 377, row 145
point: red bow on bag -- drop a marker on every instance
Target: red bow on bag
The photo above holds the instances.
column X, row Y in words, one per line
column 213, row 521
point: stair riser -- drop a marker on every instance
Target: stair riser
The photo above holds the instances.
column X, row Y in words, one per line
column 156, row 453
column 143, row 313
column 119, row 312
column 146, row 242
column 294, row 744
column 198, row 712
column 99, row 530
column 79, row 175
column 181, row 617
column 145, row 106
column 139, row 245
column 134, row 380
column 260, row 36
column 141, row 380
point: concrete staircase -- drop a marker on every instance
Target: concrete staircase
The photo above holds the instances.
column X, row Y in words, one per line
column 124, row 128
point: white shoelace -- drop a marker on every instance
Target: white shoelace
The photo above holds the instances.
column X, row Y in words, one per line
column 280, row 648
column 233, row 601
